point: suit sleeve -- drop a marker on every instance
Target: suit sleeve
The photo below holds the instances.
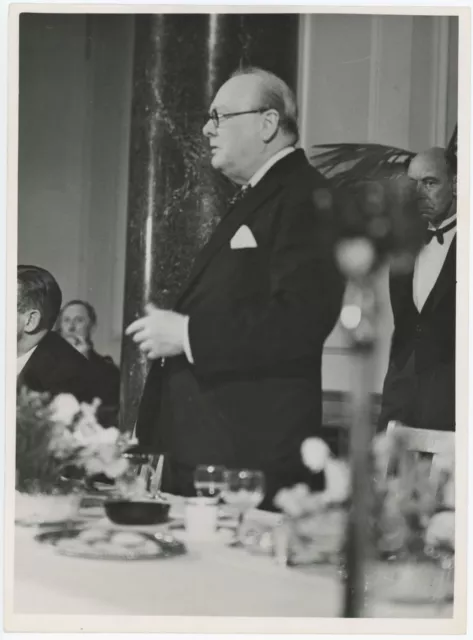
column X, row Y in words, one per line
column 293, row 321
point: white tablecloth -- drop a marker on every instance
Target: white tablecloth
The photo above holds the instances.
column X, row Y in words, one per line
column 210, row 580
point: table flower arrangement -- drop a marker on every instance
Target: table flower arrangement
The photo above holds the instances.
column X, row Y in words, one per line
column 314, row 522
column 413, row 523
column 412, row 513
column 53, row 437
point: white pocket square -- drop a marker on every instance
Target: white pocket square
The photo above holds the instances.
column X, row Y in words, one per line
column 243, row 239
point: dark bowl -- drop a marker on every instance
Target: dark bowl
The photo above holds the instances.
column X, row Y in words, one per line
column 137, row 513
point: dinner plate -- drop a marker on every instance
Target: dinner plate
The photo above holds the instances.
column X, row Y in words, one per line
column 43, row 524
column 111, row 543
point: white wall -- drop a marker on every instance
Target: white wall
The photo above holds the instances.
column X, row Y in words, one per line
column 381, row 79
column 107, row 169
column 53, row 117
column 75, row 99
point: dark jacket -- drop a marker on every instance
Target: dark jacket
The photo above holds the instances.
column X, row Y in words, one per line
column 419, row 388
column 56, row 367
column 258, row 320
column 109, row 374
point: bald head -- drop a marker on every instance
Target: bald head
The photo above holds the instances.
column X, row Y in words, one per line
column 436, row 184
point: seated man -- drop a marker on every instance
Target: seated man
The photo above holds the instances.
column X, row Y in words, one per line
column 45, row 361
column 77, row 321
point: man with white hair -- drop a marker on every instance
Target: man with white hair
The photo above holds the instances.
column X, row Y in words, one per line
column 419, row 389
column 236, row 377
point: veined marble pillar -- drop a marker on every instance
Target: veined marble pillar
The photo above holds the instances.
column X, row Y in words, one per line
column 175, row 197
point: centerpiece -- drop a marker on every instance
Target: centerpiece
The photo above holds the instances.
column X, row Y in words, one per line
column 59, row 445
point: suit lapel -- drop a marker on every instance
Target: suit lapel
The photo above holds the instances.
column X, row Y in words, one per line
column 270, row 184
column 401, row 286
column 446, row 279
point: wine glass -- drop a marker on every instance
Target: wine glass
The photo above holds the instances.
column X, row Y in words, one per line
column 209, row 480
column 243, row 490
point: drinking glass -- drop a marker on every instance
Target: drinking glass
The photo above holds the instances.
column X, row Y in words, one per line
column 243, row 490
column 209, row 480
column 136, row 483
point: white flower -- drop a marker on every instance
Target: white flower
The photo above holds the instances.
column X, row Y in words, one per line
column 337, row 481
column 116, row 468
column 108, row 436
column 315, row 453
column 441, row 529
column 64, row 408
column 93, row 465
column 63, row 442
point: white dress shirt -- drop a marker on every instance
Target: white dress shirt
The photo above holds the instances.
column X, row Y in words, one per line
column 22, row 360
column 256, row 177
column 429, row 264
column 268, row 164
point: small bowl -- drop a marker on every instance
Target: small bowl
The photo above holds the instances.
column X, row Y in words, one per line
column 145, row 512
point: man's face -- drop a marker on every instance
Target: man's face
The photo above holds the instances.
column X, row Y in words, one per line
column 75, row 322
column 436, row 192
column 236, row 144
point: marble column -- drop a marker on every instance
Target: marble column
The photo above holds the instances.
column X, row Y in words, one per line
column 175, row 197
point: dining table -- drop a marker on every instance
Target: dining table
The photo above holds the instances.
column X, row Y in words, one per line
column 212, row 579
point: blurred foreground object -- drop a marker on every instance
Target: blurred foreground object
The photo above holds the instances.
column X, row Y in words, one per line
column 410, row 518
column 378, row 223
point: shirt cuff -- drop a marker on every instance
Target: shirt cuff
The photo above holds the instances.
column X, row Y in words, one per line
column 187, row 345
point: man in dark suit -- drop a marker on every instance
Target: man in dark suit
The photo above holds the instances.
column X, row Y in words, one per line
column 236, row 377
column 45, row 361
column 76, row 323
column 419, row 389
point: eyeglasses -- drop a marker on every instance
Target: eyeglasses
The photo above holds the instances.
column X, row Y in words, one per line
column 218, row 117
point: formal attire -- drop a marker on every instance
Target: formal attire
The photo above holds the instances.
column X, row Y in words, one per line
column 108, row 371
column 22, row 360
column 262, row 297
column 419, row 389
column 55, row 367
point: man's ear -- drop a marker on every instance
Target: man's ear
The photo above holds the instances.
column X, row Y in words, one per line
column 33, row 321
column 454, row 186
column 270, row 125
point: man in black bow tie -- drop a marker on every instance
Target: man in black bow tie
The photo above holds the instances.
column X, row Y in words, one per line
column 419, row 389
column 240, row 384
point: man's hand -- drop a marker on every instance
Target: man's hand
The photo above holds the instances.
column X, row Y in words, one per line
column 79, row 343
column 160, row 333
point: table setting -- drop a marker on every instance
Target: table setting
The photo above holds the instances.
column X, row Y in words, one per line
column 109, row 540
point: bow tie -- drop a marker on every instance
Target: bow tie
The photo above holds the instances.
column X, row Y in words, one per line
column 241, row 193
column 439, row 233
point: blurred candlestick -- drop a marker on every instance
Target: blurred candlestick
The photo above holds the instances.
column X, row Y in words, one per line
column 358, row 544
